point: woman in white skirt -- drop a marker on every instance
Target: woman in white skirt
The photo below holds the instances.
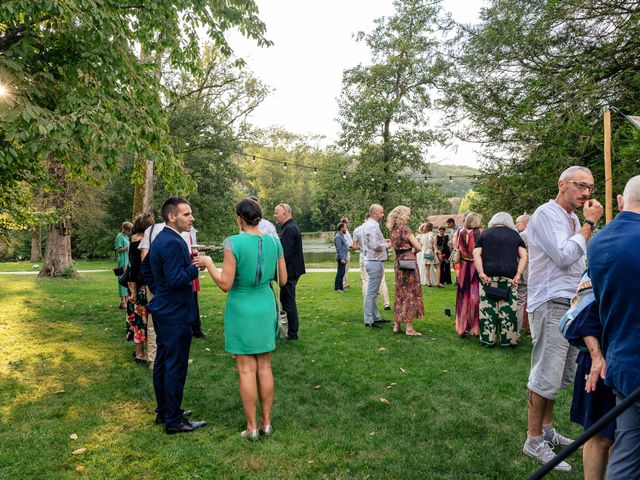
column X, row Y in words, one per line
column 427, row 258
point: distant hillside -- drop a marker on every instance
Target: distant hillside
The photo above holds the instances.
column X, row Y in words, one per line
column 458, row 187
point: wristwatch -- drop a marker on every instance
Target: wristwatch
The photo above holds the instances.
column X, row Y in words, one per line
column 589, row 222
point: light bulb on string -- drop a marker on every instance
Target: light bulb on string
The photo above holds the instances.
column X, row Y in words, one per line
column 373, row 179
column 253, row 159
column 399, row 179
column 344, row 175
column 315, row 170
column 285, row 165
column 426, row 179
column 450, row 178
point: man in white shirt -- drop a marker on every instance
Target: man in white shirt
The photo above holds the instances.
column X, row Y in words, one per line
column 374, row 247
column 357, row 244
column 557, row 246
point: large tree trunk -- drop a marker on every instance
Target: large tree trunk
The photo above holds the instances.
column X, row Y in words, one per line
column 36, row 248
column 143, row 192
column 57, row 255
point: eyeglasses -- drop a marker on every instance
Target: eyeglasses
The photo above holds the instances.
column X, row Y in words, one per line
column 583, row 186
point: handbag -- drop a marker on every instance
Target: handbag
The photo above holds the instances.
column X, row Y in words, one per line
column 429, row 256
column 406, row 264
column 282, row 326
column 118, row 271
column 455, row 256
column 496, row 293
column 123, row 279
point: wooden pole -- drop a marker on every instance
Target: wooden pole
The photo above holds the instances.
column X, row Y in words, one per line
column 608, row 180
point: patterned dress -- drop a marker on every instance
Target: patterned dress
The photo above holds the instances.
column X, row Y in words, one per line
column 468, row 286
column 136, row 322
column 407, row 304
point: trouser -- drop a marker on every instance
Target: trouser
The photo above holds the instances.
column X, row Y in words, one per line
column 152, row 347
column 384, row 291
column 375, row 271
column 288, row 302
column 625, row 456
column 170, row 369
column 338, row 285
column 345, row 280
column 522, row 305
column 498, row 317
column 197, row 324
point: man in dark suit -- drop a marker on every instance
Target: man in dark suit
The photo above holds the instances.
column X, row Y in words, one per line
column 291, row 240
column 173, row 307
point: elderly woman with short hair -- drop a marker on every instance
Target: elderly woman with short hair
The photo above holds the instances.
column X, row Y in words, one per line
column 500, row 257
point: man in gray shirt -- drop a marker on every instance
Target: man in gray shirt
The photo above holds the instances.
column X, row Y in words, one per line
column 374, row 249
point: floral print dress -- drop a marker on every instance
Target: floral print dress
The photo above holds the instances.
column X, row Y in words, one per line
column 407, row 304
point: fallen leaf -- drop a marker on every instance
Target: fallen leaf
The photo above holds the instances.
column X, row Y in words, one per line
column 372, row 434
column 445, row 371
column 190, row 361
column 59, row 391
column 382, row 349
column 207, row 349
column 73, row 436
column 393, row 383
column 432, row 338
column 309, row 461
column 384, row 400
column 402, row 370
column 78, row 451
column 317, row 387
column 80, row 469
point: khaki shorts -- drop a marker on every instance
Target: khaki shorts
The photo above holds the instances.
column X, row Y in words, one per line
column 553, row 360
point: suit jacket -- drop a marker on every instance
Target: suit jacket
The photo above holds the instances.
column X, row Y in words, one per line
column 173, row 273
column 291, row 240
column 340, row 243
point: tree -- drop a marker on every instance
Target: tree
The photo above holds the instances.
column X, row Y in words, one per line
column 531, row 83
column 81, row 96
column 383, row 106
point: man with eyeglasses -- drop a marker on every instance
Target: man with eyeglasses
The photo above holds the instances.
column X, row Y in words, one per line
column 557, row 247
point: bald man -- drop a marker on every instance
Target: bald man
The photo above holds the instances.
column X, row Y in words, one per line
column 614, row 267
column 521, row 225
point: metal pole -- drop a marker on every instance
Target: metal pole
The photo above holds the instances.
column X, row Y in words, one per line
column 608, row 180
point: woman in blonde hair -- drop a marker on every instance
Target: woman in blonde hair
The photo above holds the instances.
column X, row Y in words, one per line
column 427, row 257
column 408, row 292
column 468, row 282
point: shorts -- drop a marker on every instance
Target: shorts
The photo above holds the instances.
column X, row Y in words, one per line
column 553, row 360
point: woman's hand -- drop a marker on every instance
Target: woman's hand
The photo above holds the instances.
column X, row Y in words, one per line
column 598, row 370
column 516, row 280
column 484, row 279
column 202, row 262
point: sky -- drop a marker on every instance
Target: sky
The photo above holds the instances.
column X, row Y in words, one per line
column 313, row 44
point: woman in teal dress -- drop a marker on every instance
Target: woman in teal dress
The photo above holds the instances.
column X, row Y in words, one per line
column 122, row 258
column 250, row 319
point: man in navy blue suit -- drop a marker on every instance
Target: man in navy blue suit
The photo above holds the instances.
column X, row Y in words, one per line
column 171, row 273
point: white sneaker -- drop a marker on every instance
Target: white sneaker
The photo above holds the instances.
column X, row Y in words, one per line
column 552, row 436
column 542, row 451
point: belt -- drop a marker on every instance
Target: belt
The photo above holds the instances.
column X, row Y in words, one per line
column 403, row 251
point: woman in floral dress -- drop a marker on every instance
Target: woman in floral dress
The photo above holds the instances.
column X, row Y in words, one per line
column 407, row 304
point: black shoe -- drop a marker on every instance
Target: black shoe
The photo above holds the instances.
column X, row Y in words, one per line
column 184, row 427
column 199, row 334
column 382, row 320
column 160, row 421
column 387, row 308
column 372, row 325
column 292, row 338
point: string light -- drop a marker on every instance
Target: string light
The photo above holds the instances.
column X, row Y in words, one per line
column 314, row 168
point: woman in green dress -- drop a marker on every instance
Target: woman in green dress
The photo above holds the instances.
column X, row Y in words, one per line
column 250, row 320
column 122, row 258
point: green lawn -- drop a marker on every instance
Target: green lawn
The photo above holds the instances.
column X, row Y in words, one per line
column 455, row 411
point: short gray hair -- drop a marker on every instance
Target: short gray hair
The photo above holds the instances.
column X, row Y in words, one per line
column 285, row 207
column 568, row 173
column 631, row 192
column 502, row 218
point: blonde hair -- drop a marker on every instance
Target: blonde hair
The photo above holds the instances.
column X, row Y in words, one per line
column 422, row 228
column 473, row 221
column 392, row 219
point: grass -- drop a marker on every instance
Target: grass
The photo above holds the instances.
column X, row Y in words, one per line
column 455, row 410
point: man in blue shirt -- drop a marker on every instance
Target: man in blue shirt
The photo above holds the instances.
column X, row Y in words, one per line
column 614, row 267
column 342, row 250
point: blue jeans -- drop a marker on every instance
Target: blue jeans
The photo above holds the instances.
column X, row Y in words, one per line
column 339, row 276
column 625, row 456
column 375, row 270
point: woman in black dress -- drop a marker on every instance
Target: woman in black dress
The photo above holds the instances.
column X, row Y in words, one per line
column 443, row 271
